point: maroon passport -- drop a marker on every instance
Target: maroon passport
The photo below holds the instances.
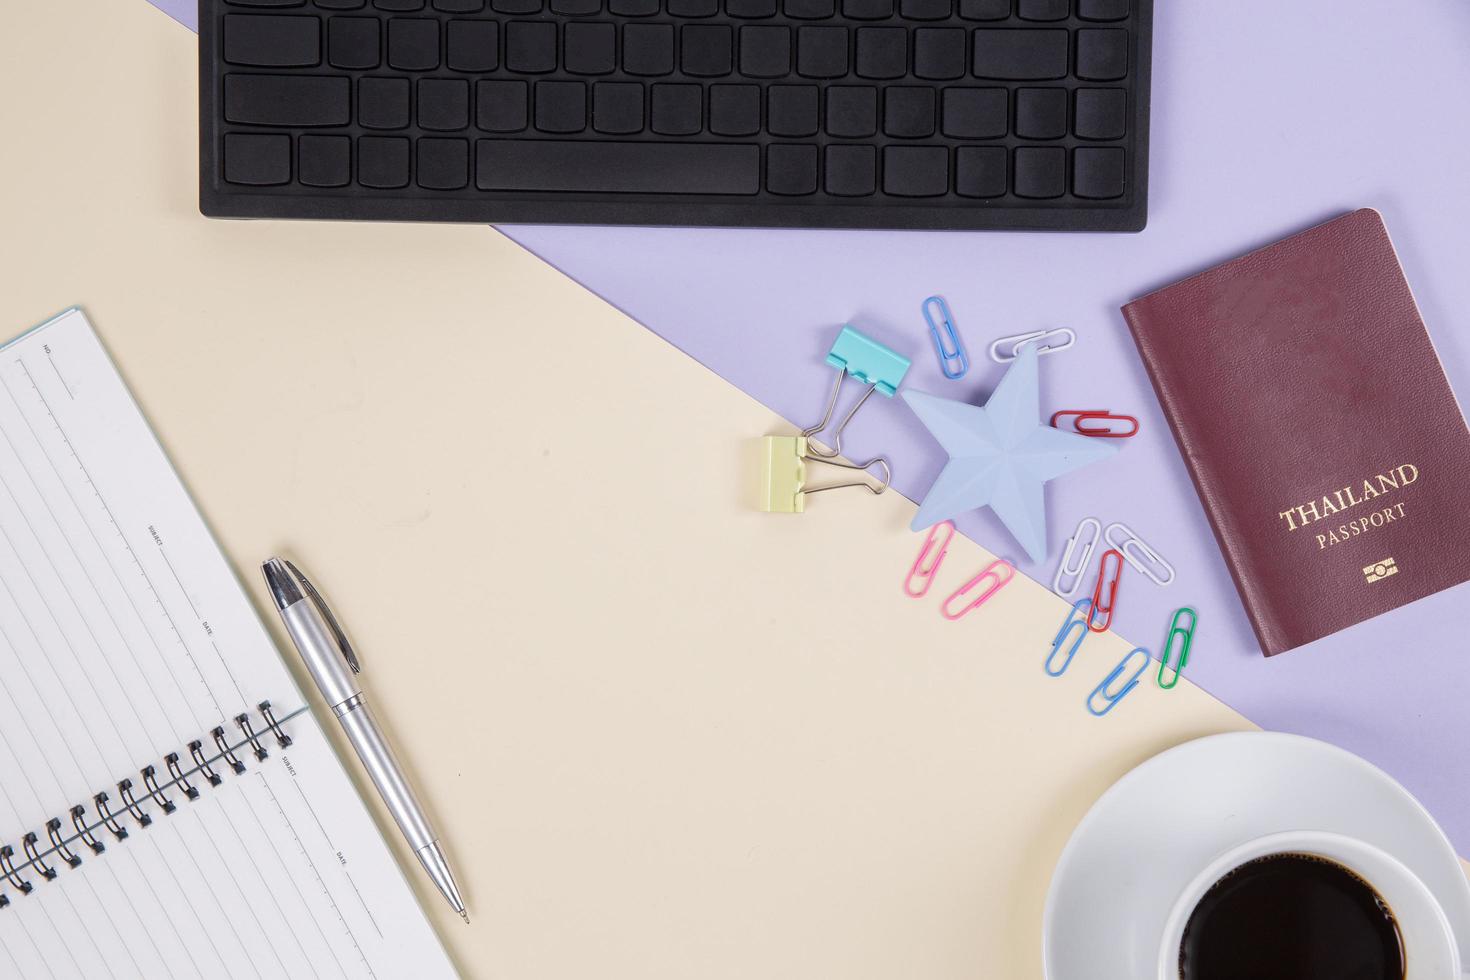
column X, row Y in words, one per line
column 1318, row 426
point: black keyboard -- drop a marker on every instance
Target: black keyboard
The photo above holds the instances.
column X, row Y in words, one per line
column 964, row 114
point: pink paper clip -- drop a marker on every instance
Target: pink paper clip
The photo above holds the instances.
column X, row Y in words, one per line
column 999, row 571
column 925, row 576
column 1097, row 431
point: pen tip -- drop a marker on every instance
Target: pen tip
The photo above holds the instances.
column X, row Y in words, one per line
column 465, row 915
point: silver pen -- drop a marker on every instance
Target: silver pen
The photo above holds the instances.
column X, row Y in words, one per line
column 333, row 663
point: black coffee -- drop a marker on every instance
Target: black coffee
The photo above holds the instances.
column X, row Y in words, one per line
column 1291, row 917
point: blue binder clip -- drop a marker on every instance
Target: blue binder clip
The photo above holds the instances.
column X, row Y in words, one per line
column 863, row 358
column 1105, row 688
column 953, row 360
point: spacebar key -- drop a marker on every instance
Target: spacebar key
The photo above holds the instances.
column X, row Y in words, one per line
column 607, row 167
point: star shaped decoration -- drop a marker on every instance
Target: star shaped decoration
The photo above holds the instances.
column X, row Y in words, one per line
column 1001, row 456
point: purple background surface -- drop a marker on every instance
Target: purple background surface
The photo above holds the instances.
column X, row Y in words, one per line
column 1267, row 118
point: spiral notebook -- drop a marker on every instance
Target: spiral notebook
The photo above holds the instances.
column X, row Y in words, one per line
column 169, row 807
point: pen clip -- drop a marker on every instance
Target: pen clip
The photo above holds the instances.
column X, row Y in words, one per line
column 321, row 606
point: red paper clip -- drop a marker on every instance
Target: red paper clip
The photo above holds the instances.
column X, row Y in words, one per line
column 1095, row 431
column 925, row 576
column 1000, row 571
column 1099, row 608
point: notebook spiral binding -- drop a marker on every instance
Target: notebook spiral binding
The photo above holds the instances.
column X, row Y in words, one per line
column 39, row 859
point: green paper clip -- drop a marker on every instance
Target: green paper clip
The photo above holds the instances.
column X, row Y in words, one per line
column 863, row 358
column 1176, row 630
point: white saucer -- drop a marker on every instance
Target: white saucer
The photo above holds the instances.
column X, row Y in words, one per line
column 1148, row 835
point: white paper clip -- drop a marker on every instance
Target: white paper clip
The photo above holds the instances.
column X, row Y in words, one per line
column 1084, row 551
column 1136, row 552
column 1006, row 348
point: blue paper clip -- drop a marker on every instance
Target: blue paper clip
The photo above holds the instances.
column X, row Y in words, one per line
column 868, row 361
column 1117, row 672
column 1083, row 606
column 951, row 349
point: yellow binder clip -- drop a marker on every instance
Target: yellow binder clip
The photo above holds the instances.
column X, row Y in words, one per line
column 783, row 475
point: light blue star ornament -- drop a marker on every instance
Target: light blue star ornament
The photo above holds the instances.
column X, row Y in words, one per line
column 1001, row 455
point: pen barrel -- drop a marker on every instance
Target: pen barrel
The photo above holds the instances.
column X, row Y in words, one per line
column 387, row 775
column 320, row 652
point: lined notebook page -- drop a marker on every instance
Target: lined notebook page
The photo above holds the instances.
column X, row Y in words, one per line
column 124, row 637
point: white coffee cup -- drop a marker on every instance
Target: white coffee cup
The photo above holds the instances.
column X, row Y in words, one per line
column 1430, row 951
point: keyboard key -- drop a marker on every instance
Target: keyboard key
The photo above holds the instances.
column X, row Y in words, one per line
column 648, row 49
column 980, row 171
column 1043, row 9
column 399, row 5
column 882, row 52
column 1102, row 9
column 985, row 9
column 791, row 110
column 352, row 42
column 735, row 110
column 1097, row 172
column 1102, row 113
column 443, row 165
column 269, row 41
column 382, row 103
column 516, row 6
column 810, row 9
column 791, row 169
column 257, row 159
column 750, row 9
column 633, row 8
column 1102, row 55
column 677, row 109
column 867, row 9
column 287, row 100
column 915, row 171
column 908, row 112
column 444, row 104
column 705, row 49
column 1041, row 113
column 324, row 161
column 975, row 113
column 413, row 43
column 382, row 161
column 939, row 52
column 576, row 8
column 765, row 52
column 458, row 6
column 852, row 171
column 329, row 4
column 617, row 107
column 610, row 167
column 821, row 52
column 561, row 107
column 1021, row 55
column 472, row 45
column 925, row 9
column 530, row 46
column 501, row 106
column 693, row 8
column 852, row 111
column 267, row 3
column 590, row 48
column 1041, row 171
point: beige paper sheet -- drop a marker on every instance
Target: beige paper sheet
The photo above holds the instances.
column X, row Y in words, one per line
column 665, row 736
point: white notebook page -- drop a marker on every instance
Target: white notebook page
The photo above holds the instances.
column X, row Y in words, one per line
column 124, row 637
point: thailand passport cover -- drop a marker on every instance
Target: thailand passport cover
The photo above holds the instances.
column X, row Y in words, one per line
column 1318, row 426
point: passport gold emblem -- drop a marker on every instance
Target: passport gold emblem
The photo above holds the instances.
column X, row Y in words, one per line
column 1380, row 570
